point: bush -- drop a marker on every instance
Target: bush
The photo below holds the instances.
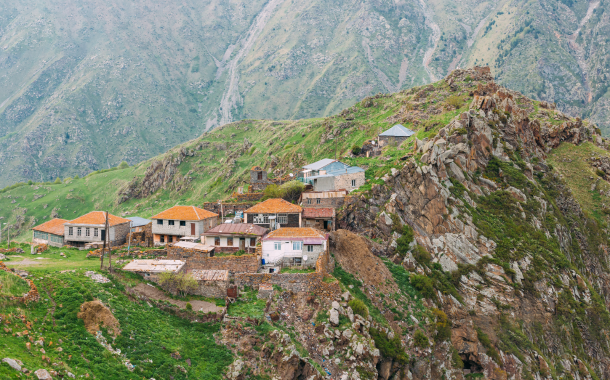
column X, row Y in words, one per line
column 271, row 191
column 424, row 285
column 421, row 255
column 356, row 150
column 123, row 165
column 189, row 307
column 454, row 101
column 359, row 307
column 389, row 348
column 181, row 283
column 57, row 181
column 403, row 242
column 443, row 326
column 420, row 339
column 600, row 173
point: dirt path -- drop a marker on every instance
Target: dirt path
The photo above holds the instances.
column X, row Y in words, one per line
column 156, row 294
column 579, row 52
column 231, row 96
column 434, row 38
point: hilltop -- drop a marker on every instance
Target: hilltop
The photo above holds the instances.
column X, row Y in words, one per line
column 476, row 248
column 88, row 85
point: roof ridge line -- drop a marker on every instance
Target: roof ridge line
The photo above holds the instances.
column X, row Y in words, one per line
column 196, row 213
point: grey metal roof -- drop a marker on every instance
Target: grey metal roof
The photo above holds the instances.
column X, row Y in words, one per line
column 136, row 221
column 154, row 266
column 334, row 173
column 319, row 164
column 398, row 131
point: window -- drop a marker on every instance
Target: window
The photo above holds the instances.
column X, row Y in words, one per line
column 260, row 176
column 353, row 183
column 162, row 239
column 70, row 231
column 261, row 219
column 79, row 232
column 277, row 246
column 297, row 245
column 308, row 201
column 87, row 231
column 282, row 219
column 310, row 248
column 229, row 242
column 160, row 222
column 252, row 242
column 95, row 232
column 318, row 200
column 169, row 238
column 170, row 222
column 297, row 261
column 217, row 241
column 182, row 223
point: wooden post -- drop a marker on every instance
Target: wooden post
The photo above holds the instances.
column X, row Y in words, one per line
column 109, row 247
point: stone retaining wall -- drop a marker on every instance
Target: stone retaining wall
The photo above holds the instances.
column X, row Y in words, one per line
column 234, row 264
column 227, row 208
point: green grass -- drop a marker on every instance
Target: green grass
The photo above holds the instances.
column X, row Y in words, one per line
column 248, row 305
column 348, row 279
column 12, row 285
column 148, row 335
column 298, row 270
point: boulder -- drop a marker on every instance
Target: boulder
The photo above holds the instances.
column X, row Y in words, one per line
column 12, row 363
column 43, row 374
column 334, row 317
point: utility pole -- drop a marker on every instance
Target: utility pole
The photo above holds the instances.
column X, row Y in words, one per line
column 109, row 247
column 8, row 238
column 129, row 244
column 222, row 215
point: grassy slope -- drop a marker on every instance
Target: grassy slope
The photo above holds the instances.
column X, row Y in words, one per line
column 212, row 179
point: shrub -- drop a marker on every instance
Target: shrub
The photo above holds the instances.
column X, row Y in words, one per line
column 76, row 177
column 389, row 348
column 486, row 342
column 272, row 191
column 123, row 165
column 443, row 326
column 57, row 181
column 420, row 339
column 189, row 307
column 403, row 242
column 424, row 285
column 456, row 360
column 356, row 150
column 454, row 101
column 182, row 283
column 359, row 307
column 421, row 255
column 600, row 173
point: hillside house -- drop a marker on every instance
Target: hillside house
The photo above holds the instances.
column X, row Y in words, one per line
column 51, row 233
column 325, row 199
column 91, row 228
column 179, row 221
column 150, row 269
column 138, row 224
column 331, row 175
column 395, row 135
column 322, row 218
column 230, row 237
column 294, row 246
column 258, row 179
column 274, row 213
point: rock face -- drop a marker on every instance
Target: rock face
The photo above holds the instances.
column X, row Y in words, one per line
column 43, row 374
column 14, row 364
column 481, row 178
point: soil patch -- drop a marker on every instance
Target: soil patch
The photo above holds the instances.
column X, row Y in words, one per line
column 94, row 313
column 156, row 294
column 353, row 254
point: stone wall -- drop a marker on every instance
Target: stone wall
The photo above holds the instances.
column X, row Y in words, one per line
column 334, row 202
column 296, row 282
column 391, row 140
column 344, row 181
column 247, row 197
column 201, row 260
column 213, row 289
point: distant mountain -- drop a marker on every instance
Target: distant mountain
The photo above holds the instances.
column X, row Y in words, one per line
column 85, row 84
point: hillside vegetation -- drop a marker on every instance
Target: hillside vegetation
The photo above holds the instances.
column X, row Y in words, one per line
column 87, row 85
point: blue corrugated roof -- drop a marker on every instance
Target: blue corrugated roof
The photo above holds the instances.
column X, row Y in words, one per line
column 398, row 131
column 350, row 170
column 136, row 221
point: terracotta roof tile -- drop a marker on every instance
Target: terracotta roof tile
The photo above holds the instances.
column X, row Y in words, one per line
column 321, row 212
column 53, row 226
column 273, row 206
column 301, row 232
column 185, row 213
column 99, row 217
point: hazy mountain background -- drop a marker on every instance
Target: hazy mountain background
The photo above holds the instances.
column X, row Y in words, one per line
column 85, row 84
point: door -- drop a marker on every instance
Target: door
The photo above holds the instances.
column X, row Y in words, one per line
column 242, row 244
column 103, row 235
column 192, row 229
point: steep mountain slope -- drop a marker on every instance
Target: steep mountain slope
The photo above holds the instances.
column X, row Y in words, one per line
column 506, row 199
column 86, row 85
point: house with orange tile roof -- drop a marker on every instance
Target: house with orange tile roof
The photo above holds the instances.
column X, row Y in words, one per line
column 51, row 233
column 91, row 229
column 274, row 213
column 171, row 225
column 294, row 247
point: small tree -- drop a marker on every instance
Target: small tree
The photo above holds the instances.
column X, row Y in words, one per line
column 272, row 191
column 403, row 242
column 356, row 150
column 57, row 181
column 359, row 307
column 76, row 177
column 186, row 283
column 420, row 339
column 291, row 191
column 123, row 165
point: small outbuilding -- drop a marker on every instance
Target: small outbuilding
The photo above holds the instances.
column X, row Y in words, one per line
column 150, row 269
column 211, row 283
column 51, row 233
column 395, row 135
column 232, row 237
